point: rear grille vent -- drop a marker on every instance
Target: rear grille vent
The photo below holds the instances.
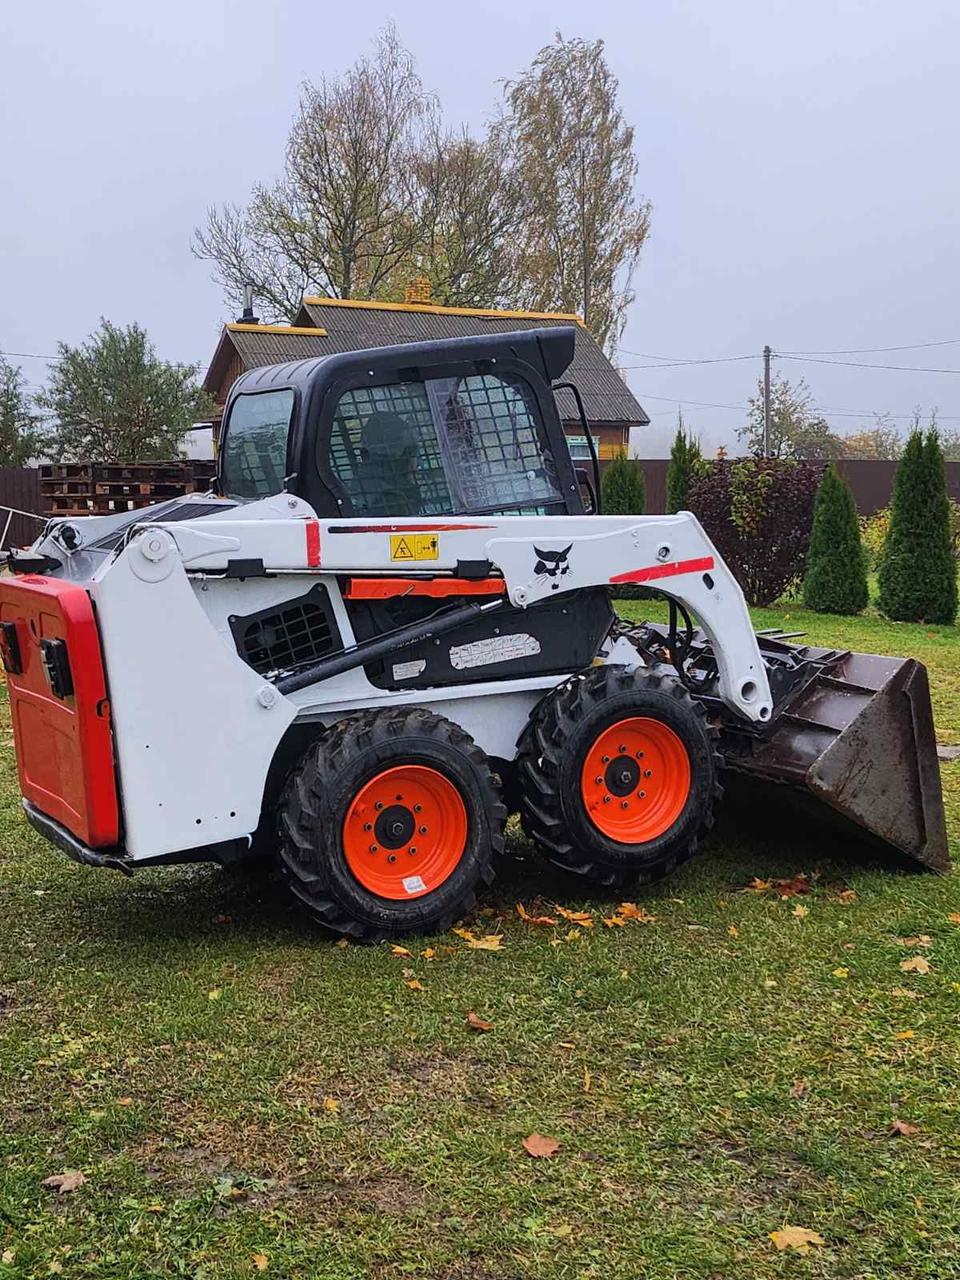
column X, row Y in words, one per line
column 289, row 635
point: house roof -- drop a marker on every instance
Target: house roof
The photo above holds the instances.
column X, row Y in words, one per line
column 327, row 325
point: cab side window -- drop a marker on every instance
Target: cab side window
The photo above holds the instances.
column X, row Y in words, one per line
column 254, row 461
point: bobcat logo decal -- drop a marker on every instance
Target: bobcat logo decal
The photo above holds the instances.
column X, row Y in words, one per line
column 553, row 564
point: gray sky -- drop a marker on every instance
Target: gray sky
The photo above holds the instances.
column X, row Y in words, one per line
column 798, row 157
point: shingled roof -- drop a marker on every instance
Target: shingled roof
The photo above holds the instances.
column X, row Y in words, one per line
column 327, row 325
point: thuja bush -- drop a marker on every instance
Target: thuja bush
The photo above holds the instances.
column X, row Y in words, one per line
column 835, row 580
column 918, row 571
column 624, row 487
column 758, row 513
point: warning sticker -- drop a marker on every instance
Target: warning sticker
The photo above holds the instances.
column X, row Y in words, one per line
column 414, row 546
column 413, row 884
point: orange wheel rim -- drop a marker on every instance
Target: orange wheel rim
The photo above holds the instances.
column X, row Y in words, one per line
column 405, row 832
column 635, row 780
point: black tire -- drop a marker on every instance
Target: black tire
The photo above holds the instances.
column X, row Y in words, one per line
column 318, row 797
column 554, row 746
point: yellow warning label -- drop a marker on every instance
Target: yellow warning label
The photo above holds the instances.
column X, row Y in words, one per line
column 414, row 546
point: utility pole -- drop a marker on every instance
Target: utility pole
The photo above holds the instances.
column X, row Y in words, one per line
column 766, row 402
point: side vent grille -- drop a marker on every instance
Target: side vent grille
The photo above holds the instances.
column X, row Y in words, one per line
column 289, row 635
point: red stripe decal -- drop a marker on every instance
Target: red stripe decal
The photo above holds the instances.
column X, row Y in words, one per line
column 670, row 570
column 313, row 543
column 405, row 528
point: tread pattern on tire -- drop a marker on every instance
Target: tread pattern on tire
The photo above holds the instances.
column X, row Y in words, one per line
column 544, row 745
column 304, row 825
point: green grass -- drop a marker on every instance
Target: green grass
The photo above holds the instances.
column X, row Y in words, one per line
column 233, row 1084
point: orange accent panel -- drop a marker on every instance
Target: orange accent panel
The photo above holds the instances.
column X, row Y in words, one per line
column 436, row 588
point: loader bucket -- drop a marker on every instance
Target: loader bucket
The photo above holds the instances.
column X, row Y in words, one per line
column 856, row 736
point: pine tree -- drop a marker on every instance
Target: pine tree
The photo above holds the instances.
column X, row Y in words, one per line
column 686, row 466
column 624, row 488
column 836, row 575
column 918, row 573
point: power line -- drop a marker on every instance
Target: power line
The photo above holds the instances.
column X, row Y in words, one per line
column 671, row 361
column 859, row 364
column 29, row 355
column 864, row 351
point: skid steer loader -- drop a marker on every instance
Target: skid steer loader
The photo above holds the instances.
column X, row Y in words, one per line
column 391, row 619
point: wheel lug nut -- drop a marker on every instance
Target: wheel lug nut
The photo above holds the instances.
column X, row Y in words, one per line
column 639, row 755
column 642, row 794
column 598, row 779
column 423, row 831
column 624, row 804
column 378, row 805
column 648, row 773
column 374, row 848
column 368, row 826
column 391, row 857
column 412, row 849
column 605, row 759
column 606, row 799
column 622, row 750
column 417, row 808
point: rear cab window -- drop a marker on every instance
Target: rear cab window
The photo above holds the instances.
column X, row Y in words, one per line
column 254, row 463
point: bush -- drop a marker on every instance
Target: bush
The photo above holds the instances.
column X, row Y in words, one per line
column 758, row 512
column 918, row 571
column 686, row 467
column 873, row 534
column 836, row 575
column 623, row 487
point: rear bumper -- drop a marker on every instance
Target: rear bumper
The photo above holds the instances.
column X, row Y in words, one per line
column 67, row 842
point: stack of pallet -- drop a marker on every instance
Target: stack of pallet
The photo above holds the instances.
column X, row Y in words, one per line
column 105, row 488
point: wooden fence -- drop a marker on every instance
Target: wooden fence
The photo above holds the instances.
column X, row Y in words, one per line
column 19, row 489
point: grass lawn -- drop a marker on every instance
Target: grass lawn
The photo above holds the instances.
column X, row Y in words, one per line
column 244, row 1097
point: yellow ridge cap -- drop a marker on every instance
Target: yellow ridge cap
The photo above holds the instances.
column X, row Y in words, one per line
column 434, row 309
column 304, row 330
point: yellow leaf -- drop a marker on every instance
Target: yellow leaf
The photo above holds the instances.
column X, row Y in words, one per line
column 586, row 1080
column 572, row 936
column 769, row 983
column 800, row 910
column 428, row 953
column 922, row 940
column 55, row 1268
column 798, row 1238
column 904, row 1035
column 399, row 951
column 759, row 886
column 733, row 931
column 847, row 895
column 331, row 1104
column 342, row 943
column 954, row 917
column 8, row 1256
column 614, row 922
column 841, row 972
column 915, row 964
column 489, row 942
column 465, row 934
column 583, row 918
column 260, row 1261
column 907, row 993
column 156, row 1208
column 414, row 985
column 630, row 911
column 124, row 1102
column 215, row 994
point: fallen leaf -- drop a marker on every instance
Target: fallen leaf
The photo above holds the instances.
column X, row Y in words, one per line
column 614, row 922
column 529, row 919
column 8, row 1256
column 841, row 972
column 904, row 1035
column 156, row 1208
column 540, row 1147
column 902, row 1129
column 215, row 994
column 922, row 940
column 489, row 942
column 915, row 964
column 414, row 985
column 630, row 911
column 790, row 888
column 847, row 895
column 64, row 1182
column 260, row 1261
column 798, row 1238
column 583, row 918
column 124, row 1102
column 331, row 1104
column 733, row 931
column 769, row 983
column 800, row 910
column 759, row 886
column 342, row 943
column 55, row 1268
column 587, row 1078
column 798, row 1088
column 427, row 953
column 954, row 917
column 906, row 991
column 463, row 933
column 477, row 1023
column 399, row 951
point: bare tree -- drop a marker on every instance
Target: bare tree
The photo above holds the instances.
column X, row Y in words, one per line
column 796, row 429
column 584, row 227
column 882, row 440
column 344, row 216
column 470, row 214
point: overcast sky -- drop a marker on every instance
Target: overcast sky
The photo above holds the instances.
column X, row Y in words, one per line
column 801, row 160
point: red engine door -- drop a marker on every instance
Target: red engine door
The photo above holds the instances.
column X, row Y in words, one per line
column 58, row 703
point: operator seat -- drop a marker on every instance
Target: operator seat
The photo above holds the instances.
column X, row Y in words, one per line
column 388, row 452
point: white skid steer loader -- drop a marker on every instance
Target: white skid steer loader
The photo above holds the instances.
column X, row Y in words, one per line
column 390, row 619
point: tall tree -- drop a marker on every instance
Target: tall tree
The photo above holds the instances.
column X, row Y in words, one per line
column 584, row 226
column 623, row 486
column 344, row 217
column 797, row 431
column 835, row 580
column 112, row 400
column 686, row 466
column 21, row 439
column 918, row 570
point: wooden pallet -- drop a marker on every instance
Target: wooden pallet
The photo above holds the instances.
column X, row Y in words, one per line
column 106, row 488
